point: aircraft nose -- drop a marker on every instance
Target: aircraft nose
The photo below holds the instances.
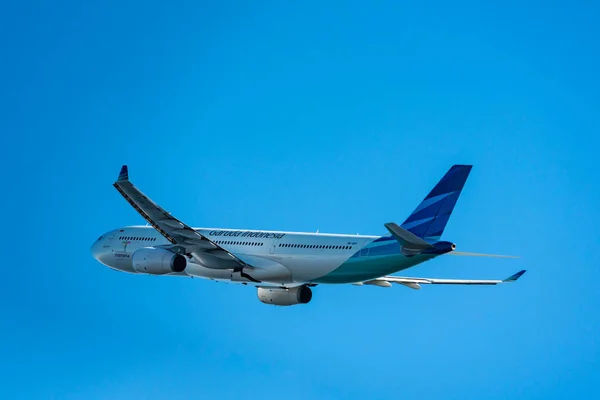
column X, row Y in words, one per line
column 100, row 250
column 96, row 250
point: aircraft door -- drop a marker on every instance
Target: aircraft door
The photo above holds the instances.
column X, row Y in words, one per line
column 274, row 244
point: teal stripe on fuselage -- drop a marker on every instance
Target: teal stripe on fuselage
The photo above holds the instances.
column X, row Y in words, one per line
column 359, row 269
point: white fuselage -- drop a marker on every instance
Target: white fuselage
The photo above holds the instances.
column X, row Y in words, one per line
column 305, row 256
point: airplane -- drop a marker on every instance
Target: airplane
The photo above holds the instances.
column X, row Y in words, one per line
column 284, row 266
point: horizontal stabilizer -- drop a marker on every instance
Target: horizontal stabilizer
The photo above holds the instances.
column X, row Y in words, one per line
column 406, row 238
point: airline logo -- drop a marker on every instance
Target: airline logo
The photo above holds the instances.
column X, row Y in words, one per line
column 247, row 234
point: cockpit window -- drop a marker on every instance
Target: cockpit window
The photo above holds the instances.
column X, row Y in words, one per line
column 100, row 238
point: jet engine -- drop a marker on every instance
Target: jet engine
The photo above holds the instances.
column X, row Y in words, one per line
column 157, row 261
column 285, row 296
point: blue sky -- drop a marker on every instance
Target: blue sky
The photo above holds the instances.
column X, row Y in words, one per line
column 337, row 116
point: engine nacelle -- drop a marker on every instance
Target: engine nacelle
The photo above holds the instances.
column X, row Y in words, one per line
column 157, row 261
column 285, row 296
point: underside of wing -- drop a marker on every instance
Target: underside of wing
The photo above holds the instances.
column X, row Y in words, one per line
column 415, row 283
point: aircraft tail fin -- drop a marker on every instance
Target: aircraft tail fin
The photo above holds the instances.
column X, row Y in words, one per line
column 429, row 219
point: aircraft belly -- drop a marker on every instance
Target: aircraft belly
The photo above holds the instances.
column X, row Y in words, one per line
column 362, row 269
column 308, row 268
column 194, row 269
column 262, row 270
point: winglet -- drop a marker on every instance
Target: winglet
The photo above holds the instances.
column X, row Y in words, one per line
column 514, row 277
column 124, row 174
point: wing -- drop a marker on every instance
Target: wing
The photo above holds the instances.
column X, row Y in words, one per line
column 415, row 283
column 185, row 240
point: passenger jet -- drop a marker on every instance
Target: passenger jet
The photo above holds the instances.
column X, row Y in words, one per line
column 284, row 266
